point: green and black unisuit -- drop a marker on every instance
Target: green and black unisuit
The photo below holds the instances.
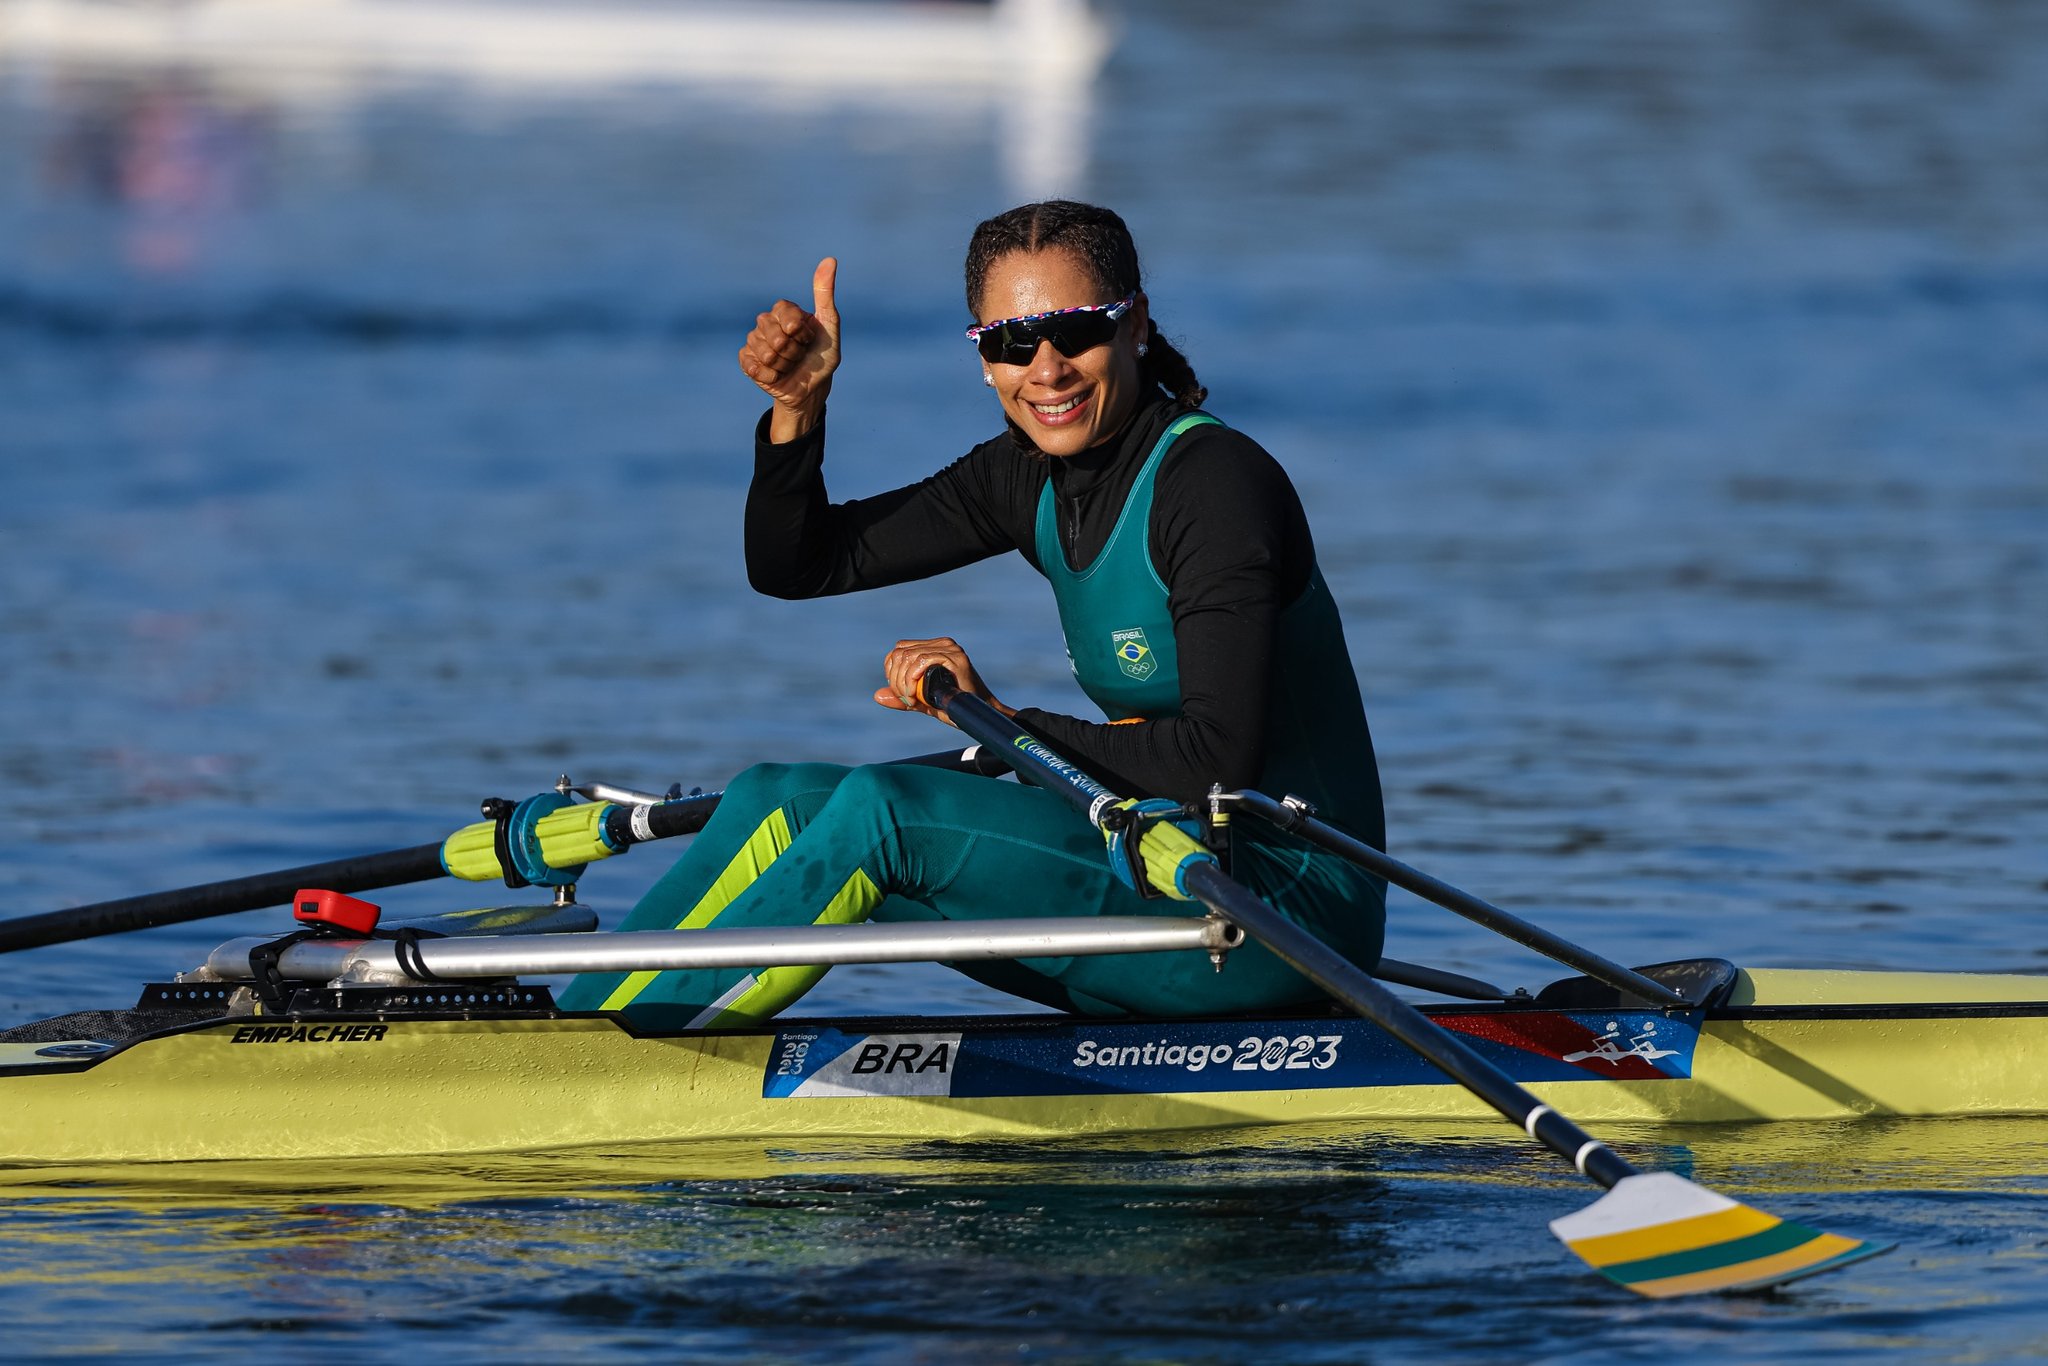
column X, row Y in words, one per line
column 813, row 843
column 1116, row 614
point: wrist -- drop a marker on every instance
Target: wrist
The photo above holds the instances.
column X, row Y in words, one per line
column 792, row 422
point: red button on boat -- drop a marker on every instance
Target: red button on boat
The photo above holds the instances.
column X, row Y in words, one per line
column 312, row 906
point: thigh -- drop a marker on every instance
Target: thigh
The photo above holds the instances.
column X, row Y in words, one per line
column 757, row 817
column 1023, row 852
column 1332, row 898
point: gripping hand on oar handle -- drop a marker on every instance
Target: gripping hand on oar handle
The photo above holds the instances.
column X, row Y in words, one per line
column 792, row 353
column 906, row 665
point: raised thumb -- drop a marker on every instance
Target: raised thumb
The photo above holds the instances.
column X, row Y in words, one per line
column 826, row 276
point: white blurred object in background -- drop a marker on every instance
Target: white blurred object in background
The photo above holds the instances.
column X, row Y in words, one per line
column 1034, row 61
column 812, row 42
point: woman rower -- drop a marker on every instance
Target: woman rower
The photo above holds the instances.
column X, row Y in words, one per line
column 1194, row 614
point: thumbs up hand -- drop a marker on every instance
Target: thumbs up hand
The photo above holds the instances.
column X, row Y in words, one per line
column 791, row 354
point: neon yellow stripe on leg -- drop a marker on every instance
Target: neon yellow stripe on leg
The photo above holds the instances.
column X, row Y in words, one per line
column 778, row 987
column 771, row 838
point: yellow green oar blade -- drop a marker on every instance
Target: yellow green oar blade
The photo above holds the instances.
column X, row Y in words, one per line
column 1660, row 1235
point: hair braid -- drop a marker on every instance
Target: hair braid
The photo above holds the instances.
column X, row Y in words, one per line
column 1166, row 367
column 1102, row 243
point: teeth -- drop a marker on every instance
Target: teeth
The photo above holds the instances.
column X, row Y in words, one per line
column 1055, row 409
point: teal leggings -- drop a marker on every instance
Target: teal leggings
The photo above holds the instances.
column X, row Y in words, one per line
column 795, row 844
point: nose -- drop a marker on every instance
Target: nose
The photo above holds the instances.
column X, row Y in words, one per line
column 1048, row 366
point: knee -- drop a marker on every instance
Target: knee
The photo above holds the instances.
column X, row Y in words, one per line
column 766, row 786
column 882, row 796
column 879, row 785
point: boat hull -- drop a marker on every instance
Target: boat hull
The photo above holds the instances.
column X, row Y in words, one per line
column 358, row 1086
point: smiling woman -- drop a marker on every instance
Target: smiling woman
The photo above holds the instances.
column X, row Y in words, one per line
column 1193, row 612
column 1055, row 369
column 1018, row 264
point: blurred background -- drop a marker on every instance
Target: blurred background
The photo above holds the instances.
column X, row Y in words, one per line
column 1667, row 384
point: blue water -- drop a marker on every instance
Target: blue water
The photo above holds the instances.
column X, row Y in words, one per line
column 1668, row 390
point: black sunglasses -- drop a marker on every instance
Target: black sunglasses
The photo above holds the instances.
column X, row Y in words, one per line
column 1014, row 341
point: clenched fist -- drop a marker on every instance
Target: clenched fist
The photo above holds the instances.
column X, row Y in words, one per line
column 791, row 354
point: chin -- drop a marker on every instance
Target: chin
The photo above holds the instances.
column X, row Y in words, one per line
column 1057, row 441
column 1064, row 442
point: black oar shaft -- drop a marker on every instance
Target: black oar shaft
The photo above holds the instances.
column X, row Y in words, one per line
column 687, row 815
column 1437, row 980
column 365, row 872
column 360, row 874
column 1015, row 746
column 1306, row 954
column 1504, row 923
column 683, row 817
column 1348, row 983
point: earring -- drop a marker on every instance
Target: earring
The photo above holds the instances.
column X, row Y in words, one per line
column 988, row 379
column 1143, row 348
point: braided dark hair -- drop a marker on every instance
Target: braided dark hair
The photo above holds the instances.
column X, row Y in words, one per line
column 1101, row 242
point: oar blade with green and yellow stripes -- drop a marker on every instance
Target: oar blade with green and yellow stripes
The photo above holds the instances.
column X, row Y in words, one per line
column 1660, row 1235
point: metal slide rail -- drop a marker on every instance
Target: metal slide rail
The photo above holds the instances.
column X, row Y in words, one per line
column 380, row 961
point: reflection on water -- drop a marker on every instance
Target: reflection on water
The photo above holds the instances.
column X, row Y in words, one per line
column 1983, row 1155
column 1309, row 1243
column 175, row 158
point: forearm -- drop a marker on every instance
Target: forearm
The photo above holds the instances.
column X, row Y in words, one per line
column 1179, row 757
column 800, row 544
column 791, row 543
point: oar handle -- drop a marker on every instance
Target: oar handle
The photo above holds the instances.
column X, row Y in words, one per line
column 1306, row 954
column 1004, row 739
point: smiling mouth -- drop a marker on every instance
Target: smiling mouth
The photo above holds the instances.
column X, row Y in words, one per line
column 1056, row 414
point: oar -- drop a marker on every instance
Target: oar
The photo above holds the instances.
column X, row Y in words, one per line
column 1293, row 817
column 1656, row 1233
column 579, row 834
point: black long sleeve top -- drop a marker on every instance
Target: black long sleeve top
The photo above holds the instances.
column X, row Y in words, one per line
column 1227, row 536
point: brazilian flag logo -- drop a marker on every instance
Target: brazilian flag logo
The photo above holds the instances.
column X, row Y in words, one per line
column 1134, row 653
